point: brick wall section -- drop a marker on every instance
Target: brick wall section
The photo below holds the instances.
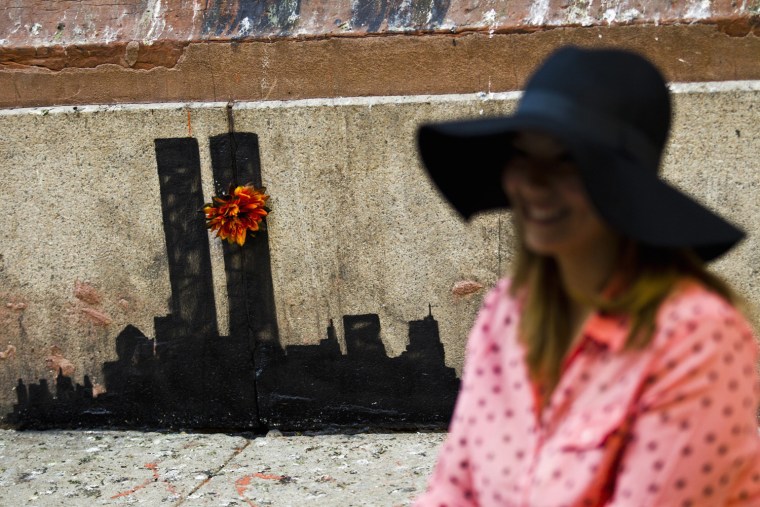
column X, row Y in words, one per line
column 71, row 52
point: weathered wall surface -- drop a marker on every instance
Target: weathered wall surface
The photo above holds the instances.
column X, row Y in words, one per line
column 26, row 23
column 155, row 51
column 107, row 275
column 356, row 227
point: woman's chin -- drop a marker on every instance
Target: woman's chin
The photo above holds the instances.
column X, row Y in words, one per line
column 543, row 247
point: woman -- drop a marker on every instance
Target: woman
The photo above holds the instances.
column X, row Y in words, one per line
column 611, row 369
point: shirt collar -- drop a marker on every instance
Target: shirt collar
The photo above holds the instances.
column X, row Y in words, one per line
column 610, row 331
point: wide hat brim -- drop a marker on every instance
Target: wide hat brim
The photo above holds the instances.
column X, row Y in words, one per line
column 466, row 159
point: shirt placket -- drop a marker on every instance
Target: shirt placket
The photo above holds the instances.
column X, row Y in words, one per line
column 546, row 418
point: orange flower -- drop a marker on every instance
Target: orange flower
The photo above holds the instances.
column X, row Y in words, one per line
column 233, row 215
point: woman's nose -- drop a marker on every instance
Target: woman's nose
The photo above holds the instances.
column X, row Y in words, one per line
column 534, row 175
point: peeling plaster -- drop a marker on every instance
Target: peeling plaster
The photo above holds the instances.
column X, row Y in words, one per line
column 699, row 9
column 309, row 26
column 538, row 11
column 110, row 35
column 245, row 26
column 197, row 9
column 609, row 16
column 630, row 15
column 580, row 13
column 154, row 20
column 490, row 19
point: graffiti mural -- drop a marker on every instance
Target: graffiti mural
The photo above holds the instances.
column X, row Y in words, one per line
column 188, row 376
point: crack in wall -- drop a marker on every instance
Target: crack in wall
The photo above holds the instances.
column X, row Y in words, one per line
column 213, row 473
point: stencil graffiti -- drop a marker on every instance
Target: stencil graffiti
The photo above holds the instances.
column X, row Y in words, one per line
column 187, row 375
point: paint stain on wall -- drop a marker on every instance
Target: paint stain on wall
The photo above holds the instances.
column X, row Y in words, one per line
column 56, row 363
column 466, row 287
column 243, row 483
column 88, row 294
column 12, row 314
column 155, row 478
column 8, row 353
column 84, row 291
column 97, row 390
column 97, row 317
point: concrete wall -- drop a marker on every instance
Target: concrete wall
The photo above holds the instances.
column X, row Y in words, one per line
column 90, row 278
column 356, row 228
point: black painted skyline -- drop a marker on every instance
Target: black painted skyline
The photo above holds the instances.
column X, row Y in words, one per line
column 191, row 377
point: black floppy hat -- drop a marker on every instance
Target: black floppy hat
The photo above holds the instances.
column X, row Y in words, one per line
column 611, row 109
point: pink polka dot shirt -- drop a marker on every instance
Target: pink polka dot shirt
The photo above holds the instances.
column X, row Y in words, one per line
column 674, row 424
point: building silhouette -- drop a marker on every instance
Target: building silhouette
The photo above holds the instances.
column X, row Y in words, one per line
column 188, row 376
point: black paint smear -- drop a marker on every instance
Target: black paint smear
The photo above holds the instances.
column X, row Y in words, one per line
column 223, row 17
column 190, row 377
column 418, row 14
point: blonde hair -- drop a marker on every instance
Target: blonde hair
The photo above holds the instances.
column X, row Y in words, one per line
column 649, row 275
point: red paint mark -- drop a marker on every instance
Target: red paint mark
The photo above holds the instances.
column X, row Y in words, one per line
column 83, row 291
column 9, row 353
column 97, row 390
column 55, row 362
column 155, row 477
column 269, row 477
column 131, row 491
column 97, row 317
column 242, row 484
column 465, row 287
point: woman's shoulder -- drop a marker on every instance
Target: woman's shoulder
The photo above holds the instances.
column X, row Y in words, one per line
column 691, row 298
column 691, row 306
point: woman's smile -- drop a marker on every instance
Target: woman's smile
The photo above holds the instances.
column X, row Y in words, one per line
column 544, row 215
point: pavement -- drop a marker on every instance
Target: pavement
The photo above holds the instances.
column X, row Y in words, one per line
column 72, row 468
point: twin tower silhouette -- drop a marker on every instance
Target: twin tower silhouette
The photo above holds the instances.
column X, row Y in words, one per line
column 188, row 376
